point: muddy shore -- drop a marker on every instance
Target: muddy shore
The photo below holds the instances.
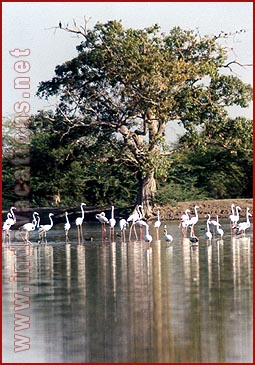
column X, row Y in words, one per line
column 222, row 208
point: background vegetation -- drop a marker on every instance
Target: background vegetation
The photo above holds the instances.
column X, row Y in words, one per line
column 104, row 143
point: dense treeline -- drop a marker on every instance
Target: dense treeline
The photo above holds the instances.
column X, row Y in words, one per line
column 89, row 170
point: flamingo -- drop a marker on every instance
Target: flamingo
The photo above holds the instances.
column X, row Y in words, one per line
column 67, row 226
column 10, row 221
column 112, row 221
column 208, row 233
column 193, row 221
column 135, row 217
column 79, row 221
column 232, row 215
column 218, row 229
column 184, row 222
column 29, row 227
column 157, row 224
column 123, row 226
column 103, row 220
column 167, row 237
column 235, row 218
column 244, row 225
column 45, row 228
column 147, row 237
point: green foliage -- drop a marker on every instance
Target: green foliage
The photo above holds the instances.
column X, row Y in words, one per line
column 114, row 101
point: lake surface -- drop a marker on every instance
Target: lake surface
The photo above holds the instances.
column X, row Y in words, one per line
column 115, row 301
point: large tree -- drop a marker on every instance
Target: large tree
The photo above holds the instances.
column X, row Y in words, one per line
column 131, row 83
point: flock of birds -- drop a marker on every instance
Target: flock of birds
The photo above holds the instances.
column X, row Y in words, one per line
column 136, row 219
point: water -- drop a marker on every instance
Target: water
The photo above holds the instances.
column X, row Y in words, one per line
column 130, row 301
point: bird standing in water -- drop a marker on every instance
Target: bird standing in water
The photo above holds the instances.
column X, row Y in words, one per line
column 79, row 221
column 112, row 222
column 67, row 226
column 157, row 224
column 45, row 228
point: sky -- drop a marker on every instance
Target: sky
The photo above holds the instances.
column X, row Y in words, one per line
column 31, row 26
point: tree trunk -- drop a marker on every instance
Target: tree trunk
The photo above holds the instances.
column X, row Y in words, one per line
column 146, row 193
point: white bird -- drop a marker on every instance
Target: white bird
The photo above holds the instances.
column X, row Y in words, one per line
column 147, row 237
column 29, row 227
column 136, row 216
column 103, row 220
column 45, row 228
column 157, row 224
column 185, row 222
column 208, row 233
column 218, row 229
column 232, row 215
column 123, row 226
column 235, row 218
column 112, row 220
column 67, row 225
column 10, row 221
column 193, row 221
column 244, row 225
column 167, row 237
column 79, row 221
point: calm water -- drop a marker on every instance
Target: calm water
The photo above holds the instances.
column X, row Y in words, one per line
column 130, row 301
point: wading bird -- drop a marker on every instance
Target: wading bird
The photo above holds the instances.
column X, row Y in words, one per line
column 167, row 237
column 157, row 224
column 67, row 226
column 103, row 220
column 79, row 221
column 208, row 233
column 29, row 227
column 147, row 237
column 10, row 221
column 45, row 228
column 193, row 221
column 219, row 230
column 123, row 226
column 136, row 216
column 244, row 225
column 235, row 218
column 185, row 222
column 112, row 222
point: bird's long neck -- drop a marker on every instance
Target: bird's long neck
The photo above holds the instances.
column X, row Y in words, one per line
column 237, row 212
column 232, row 209
column 82, row 212
column 51, row 221
column 217, row 219
column 13, row 215
column 158, row 215
column 34, row 220
column 139, row 211
column 196, row 215
column 207, row 223
column 67, row 220
column 247, row 216
column 112, row 216
column 38, row 221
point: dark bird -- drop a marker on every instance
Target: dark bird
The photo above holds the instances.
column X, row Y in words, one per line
column 60, row 25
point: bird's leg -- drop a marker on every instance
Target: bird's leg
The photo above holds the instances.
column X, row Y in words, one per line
column 82, row 240
column 141, row 233
column 78, row 232
column 103, row 231
column 135, row 233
